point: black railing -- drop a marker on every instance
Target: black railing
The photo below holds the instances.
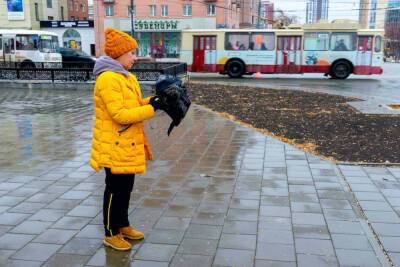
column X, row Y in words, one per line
column 144, row 72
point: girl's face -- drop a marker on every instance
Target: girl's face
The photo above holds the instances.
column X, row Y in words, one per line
column 128, row 59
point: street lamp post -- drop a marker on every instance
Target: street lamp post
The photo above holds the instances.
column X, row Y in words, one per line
column 132, row 23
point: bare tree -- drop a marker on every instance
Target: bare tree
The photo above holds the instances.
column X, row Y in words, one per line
column 282, row 19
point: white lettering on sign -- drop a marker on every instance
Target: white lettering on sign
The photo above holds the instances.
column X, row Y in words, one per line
column 67, row 23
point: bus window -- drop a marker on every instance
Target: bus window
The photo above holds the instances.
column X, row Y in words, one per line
column 237, row 41
column 316, row 41
column 378, row 44
column 365, row 43
column 262, row 41
column 48, row 43
column 343, row 41
column 1, row 43
column 27, row 42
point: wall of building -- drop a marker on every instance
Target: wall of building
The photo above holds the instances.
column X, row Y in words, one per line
column 30, row 21
column 372, row 13
column 78, row 9
column 53, row 11
column 225, row 17
column 26, row 23
column 317, row 10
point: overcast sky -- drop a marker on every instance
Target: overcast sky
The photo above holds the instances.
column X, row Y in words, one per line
column 338, row 9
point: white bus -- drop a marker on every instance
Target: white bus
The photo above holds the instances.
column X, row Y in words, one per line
column 337, row 49
column 29, row 49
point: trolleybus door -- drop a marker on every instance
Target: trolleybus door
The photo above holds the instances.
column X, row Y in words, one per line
column 198, row 53
column 377, row 53
column 204, row 53
column 289, row 54
column 364, row 51
column 210, row 54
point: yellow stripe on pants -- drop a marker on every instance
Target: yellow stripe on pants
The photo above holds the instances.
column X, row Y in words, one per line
column 108, row 215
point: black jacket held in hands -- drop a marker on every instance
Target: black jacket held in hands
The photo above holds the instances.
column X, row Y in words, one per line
column 174, row 99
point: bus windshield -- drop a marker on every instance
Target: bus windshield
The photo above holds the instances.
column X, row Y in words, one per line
column 48, row 43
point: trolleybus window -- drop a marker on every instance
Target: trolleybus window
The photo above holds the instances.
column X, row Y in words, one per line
column 316, row 41
column 378, row 44
column 343, row 41
column 262, row 41
column 237, row 41
column 27, row 42
column 365, row 43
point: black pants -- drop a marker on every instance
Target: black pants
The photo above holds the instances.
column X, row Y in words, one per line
column 116, row 201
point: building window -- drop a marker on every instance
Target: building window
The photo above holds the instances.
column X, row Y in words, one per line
column 172, row 43
column 62, row 13
column 153, row 9
column 187, row 10
column 131, row 10
column 211, row 10
column 72, row 39
column 71, row 5
column 76, row 6
column 50, row 18
column 37, row 11
column 109, row 10
column 49, row 3
column 164, row 10
column 83, row 7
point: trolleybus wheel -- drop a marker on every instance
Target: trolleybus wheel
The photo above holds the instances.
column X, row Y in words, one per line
column 341, row 70
column 235, row 68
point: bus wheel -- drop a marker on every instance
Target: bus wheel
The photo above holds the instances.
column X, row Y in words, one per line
column 28, row 65
column 340, row 70
column 235, row 68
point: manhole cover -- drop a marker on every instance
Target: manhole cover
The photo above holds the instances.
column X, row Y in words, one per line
column 394, row 106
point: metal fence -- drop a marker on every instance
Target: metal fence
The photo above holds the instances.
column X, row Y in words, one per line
column 149, row 71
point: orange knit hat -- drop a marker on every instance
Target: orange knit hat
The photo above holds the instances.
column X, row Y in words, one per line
column 118, row 43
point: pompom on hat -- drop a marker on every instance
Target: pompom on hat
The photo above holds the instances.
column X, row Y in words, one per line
column 118, row 43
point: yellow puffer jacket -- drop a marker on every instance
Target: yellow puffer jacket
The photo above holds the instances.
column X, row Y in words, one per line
column 118, row 102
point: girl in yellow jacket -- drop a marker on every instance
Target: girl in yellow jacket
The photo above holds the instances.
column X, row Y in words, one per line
column 119, row 143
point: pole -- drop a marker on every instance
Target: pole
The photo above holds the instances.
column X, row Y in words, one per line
column 259, row 15
column 132, row 23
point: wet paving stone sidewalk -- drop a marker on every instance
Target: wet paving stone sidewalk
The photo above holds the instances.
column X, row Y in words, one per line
column 218, row 194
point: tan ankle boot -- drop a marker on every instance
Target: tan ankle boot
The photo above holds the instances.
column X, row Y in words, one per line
column 131, row 233
column 117, row 242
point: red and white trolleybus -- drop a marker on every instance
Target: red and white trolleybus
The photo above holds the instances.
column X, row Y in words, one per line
column 337, row 49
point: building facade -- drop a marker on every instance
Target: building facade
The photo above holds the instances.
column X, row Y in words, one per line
column 317, row 10
column 267, row 14
column 158, row 23
column 78, row 9
column 27, row 14
column 392, row 28
column 372, row 13
column 75, row 34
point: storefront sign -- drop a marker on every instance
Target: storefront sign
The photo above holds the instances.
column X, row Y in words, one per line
column 67, row 24
column 15, row 9
column 156, row 24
